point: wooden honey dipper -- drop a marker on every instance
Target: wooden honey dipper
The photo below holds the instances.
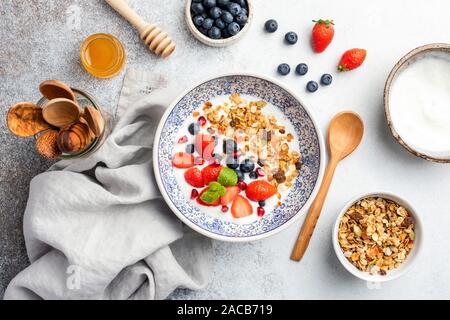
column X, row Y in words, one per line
column 157, row 40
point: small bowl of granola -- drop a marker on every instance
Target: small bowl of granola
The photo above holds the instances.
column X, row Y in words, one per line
column 377, row 236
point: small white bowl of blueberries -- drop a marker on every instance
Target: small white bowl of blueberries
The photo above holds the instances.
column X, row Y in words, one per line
column 219, row 23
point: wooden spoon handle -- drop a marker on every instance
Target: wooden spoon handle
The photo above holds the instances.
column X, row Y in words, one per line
column 314, row 212
column 129, row 14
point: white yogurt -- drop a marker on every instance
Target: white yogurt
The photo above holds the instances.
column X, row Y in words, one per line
column 216, row 212
column 420, row 104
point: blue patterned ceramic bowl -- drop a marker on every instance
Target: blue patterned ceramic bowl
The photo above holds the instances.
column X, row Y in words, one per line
column 300, row 195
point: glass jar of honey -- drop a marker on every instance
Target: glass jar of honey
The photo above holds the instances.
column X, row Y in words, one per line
column 102, row 55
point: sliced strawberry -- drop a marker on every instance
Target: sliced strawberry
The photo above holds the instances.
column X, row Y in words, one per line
column 204, row 144
column 232, row 192
column 194, row 177
column 211, row 173
column 241, row 207
column 183, row 160
column 260, row 190
column 199, row 200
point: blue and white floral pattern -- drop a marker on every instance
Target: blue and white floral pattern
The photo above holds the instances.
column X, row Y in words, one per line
column 295, row 113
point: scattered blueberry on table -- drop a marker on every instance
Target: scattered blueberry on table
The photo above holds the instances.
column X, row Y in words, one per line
column 312, row 86
column 271, row 26
column 326, row 79
column 291, row 37
column 302, row 69
column 219, row 19
column 284, row 69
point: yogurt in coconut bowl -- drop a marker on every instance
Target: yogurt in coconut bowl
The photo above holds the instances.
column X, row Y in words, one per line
column 417, row 102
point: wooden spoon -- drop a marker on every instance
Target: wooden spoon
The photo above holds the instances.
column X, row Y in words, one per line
column 94, row 119
column 25, row 119
column 54, row 89
column 74, row 138
column 61, row 112
column 344, row 135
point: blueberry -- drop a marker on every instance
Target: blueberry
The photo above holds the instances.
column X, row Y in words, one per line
column 190, row 148
column 241, row 19
column 198, row 20
column 203, row 31
column 197, row 1
column 234, row 8
column 208, row 23
column 219, row 24
column 225, row 33
column 271, row 25
column 253, row 175
column 223, row 3
column 326, row 79
column 229, row 146
column 240, row 174
column 284, row 69
column 247, row 166
column 242, row 3
column 214, row 33
column 233, row 28
column 215, row 12
column 244, row 11
column 232, row 163
column 312, row 86
column 302, row 69
column 209, row 3
column 262, row 203
column 194, row 128
column 291, row 37
column 197, row 8
column 227, row 17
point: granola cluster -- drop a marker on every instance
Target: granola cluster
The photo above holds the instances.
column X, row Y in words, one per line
column 258, row 135
column 376, row 235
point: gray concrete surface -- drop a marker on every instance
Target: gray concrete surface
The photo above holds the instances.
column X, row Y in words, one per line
column 40, row 40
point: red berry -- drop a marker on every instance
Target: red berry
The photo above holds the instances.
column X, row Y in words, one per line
column 261, row 212
column 236, row 154
column 322, row 35
column 194, row 194
column 225, row 209
column 352, row 59
column 183, row 139
column 202, row 121
column 260, row 172
column 199, row 161
column 242, row 185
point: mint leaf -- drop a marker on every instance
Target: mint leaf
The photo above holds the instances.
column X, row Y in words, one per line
column 214, row 192
column 209, row 197
column 228, row 177
column 214, row 186
column 217, row 187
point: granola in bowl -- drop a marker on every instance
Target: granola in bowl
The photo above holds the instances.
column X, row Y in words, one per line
column 376, row 235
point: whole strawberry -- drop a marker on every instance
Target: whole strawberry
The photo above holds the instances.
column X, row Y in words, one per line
column 352, row 59
column 322, row 35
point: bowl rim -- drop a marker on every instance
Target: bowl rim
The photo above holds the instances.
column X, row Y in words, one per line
column 404, row 61
column 408, row 262
column 217, row 42
column 207, row 233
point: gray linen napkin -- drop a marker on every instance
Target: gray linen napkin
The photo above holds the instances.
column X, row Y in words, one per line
column 110, row 235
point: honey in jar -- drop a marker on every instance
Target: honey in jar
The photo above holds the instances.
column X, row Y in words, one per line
column 102, row 55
